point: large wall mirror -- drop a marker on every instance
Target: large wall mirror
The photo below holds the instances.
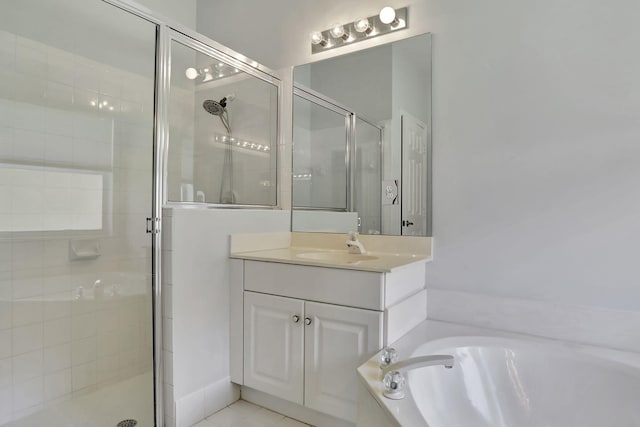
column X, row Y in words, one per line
column 362, row 141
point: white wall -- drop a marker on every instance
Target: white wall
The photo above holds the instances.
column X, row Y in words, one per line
column 536, row 147
column 196, row 286
column 182, row 12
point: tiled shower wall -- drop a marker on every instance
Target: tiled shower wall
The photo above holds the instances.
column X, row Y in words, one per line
column 60, row 111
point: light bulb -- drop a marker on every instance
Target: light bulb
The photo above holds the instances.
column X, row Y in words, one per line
column 318, row 38
column 362, row 25
column 337, row 31
column 191, row 73
column 388, row 16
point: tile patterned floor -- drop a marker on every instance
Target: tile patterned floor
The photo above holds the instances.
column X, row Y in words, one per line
column 245, row 414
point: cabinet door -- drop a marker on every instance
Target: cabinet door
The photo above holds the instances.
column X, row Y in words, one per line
column 273, row 345
column 337, row 341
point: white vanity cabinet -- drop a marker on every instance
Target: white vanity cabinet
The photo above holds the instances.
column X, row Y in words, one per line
column 307, row 352
column 274, row 345
column 299, row 332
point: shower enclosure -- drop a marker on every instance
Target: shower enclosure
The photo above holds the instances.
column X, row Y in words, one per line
column 97, row 133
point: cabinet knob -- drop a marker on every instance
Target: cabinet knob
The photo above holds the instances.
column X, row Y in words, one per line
column 295, row 318
column 307, row 320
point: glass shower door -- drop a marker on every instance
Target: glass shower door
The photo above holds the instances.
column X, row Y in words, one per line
column 76, row 185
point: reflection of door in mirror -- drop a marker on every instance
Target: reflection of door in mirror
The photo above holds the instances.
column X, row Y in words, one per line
column 414, row 176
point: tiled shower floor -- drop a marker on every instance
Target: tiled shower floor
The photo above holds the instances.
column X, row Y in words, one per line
column 132, row 398
column 245, row 414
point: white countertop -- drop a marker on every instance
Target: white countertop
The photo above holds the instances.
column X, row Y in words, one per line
column 383, row 262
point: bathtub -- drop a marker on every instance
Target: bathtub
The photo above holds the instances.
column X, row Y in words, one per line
column 505, row 380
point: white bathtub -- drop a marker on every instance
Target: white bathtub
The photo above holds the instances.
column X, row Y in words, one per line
column 506, row 380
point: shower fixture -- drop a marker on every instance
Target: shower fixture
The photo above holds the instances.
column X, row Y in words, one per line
column 219, row 108
column 387, row 21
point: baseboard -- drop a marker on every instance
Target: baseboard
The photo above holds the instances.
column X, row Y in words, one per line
column 292, row 410
column 206, row 401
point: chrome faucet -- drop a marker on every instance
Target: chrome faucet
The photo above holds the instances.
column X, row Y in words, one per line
column 354, row 245
column 394, row 381
column 419, row 362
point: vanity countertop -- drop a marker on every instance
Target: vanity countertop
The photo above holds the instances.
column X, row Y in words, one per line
column 312, row 256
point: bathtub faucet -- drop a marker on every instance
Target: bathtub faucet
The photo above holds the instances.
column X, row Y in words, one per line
column 394, row 381
column 419, row 362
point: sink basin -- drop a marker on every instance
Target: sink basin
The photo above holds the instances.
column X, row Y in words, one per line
column 336, row 257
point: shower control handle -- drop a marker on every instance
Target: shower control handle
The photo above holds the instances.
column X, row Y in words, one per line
column 295, row 318
column 307, row 321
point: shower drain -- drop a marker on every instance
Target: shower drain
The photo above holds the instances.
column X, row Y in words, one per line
column 127, row 423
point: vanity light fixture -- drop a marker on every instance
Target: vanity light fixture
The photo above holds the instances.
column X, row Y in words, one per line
column 387, row 21
column 318, row 39
column 337, row 31
column 388, row 16
column 362, row 25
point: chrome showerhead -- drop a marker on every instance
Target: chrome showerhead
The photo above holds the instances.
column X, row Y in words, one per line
column 214, row 107
column 217, row 108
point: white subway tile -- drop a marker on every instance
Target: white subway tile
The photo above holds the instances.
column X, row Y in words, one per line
column 27, row 312
column 6, row 313
column 7, row 139
column 6, row 204
column 57, row 305
column 27, row 254
column 27, row 338
column 6, row 404
column 59, row 122
column 83, row 351
column 60, row 66
column 107, row 321
column 83, row 376
column 57, row 384
column 6, row 343
column 57, row 331
column 28, row 393
column 83, row 326
column 6, row 371
column 29, row 145
column 27, row 366
column 58, row 149
column 27, row 284
column 57, row 357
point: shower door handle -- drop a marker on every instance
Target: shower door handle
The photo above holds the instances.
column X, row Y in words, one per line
column 153, row 225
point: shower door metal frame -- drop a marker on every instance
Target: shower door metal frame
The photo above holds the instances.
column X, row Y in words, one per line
column 167, row 30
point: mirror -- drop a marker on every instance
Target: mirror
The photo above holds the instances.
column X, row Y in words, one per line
column 362, row 141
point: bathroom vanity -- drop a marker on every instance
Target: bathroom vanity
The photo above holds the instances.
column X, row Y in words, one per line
column 305, row 313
